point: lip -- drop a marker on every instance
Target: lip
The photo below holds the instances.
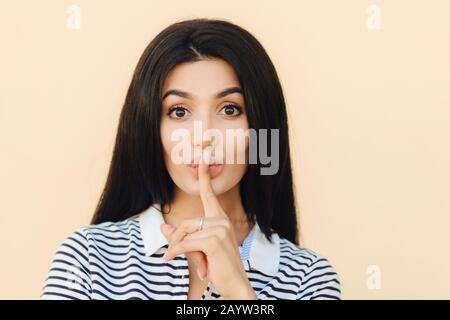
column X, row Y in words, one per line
column 214, row 169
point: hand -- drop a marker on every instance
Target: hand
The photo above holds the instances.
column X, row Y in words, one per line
column 213, row 249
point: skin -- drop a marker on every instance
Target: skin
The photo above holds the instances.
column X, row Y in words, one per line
column 213, row 252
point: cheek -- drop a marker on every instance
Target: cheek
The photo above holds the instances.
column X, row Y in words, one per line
column 232, row 148
column 165, row 137
column 169, row 137
column 241, row 150
column 167, row 145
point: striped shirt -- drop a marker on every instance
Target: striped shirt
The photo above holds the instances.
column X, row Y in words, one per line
column 123, row 260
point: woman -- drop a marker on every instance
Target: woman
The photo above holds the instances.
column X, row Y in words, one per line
column 200, row 228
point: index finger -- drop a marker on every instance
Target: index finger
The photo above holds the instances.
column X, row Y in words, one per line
column 210, row 202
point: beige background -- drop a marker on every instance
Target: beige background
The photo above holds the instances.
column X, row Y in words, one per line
column 369, row 113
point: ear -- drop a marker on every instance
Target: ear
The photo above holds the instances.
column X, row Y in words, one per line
column 167, row 230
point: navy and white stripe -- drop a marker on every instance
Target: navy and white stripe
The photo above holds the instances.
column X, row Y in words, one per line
column 123, row 260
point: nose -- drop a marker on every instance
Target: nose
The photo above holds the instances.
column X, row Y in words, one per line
column 202, row 141
column 202, row 124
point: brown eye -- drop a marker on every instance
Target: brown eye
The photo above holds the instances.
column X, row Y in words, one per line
column 232, row 110
column 178, row 112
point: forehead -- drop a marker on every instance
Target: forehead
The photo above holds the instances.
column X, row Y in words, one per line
column 202, row 78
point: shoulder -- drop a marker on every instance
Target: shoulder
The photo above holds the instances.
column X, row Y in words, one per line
column 70, row 274
column 108, row 233
column 109, row 240
column 303, row 255
column 318, row 277
column 127, row 228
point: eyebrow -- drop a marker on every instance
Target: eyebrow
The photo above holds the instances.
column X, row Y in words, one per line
column 187, row 95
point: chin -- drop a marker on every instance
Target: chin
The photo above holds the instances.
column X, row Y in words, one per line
column 218, row 184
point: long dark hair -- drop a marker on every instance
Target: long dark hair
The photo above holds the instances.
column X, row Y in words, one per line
column 137, row 176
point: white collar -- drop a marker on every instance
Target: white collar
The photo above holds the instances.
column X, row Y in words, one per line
column 263, row 256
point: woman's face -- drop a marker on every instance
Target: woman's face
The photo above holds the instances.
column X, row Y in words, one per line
column 198, row 114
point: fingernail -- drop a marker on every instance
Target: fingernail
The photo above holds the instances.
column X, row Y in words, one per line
column 199, row 275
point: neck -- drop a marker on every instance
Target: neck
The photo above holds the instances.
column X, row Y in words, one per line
column 186, row 206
